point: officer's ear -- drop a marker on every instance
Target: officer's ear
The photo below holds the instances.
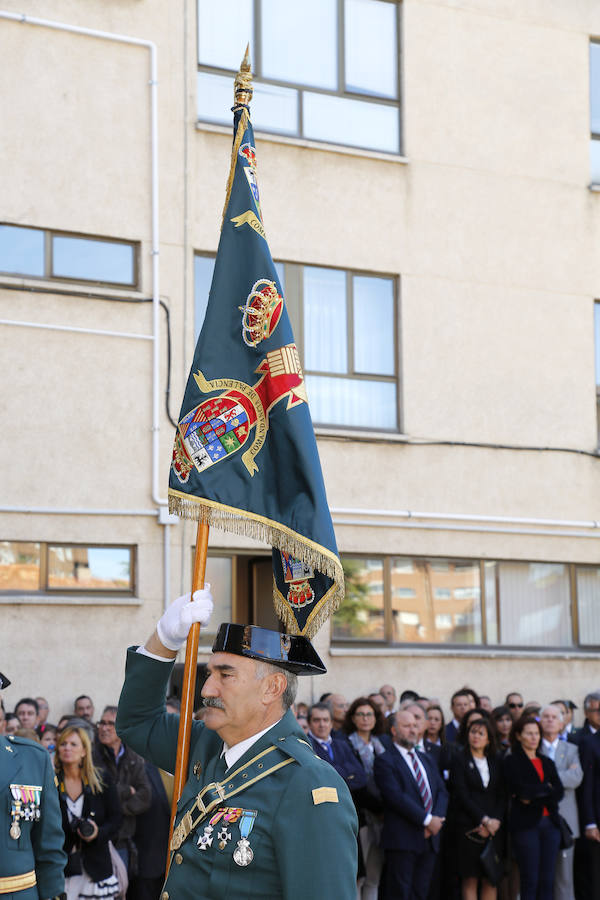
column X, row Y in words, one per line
column 273, row 684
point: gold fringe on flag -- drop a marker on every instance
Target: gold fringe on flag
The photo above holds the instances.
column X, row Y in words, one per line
column 247, row 524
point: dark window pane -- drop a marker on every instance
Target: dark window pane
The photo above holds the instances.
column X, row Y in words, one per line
column 21, row 250
column 90, row 568
column 436, row 601
column 373, row 325
column 360, row 616
column 370, row 44
column 299, row 44
column 19, row 566
column 224, row 29
column 90, row 260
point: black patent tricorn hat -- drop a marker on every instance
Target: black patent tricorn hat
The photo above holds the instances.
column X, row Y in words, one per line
column 4, row 682
column 289, row 651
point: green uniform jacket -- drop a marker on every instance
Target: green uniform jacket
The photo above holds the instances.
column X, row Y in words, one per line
column 40, row 845
column 304, row 846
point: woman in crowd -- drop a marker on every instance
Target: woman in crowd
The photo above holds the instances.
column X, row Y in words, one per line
column 478, row 807
column 436, row 726
column 502, row 722
column 91, row 816
column 363, row 724
column 536, row 790
column 477, row 713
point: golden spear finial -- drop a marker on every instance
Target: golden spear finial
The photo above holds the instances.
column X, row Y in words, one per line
column 242, row 91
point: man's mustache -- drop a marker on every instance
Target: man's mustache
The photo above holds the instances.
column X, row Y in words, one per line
column 215, row 702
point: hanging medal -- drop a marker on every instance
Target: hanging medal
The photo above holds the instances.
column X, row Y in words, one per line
column 243, row 853
column 230, row 816
column 205, row 840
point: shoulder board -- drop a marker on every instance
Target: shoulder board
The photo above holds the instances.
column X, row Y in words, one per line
column 298, row 748
column 25, row 742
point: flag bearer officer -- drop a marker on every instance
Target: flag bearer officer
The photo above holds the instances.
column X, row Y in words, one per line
column 260, row 816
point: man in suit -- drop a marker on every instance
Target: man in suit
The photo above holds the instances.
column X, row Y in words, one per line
column 591, row 709
column 566, row 760
column 339, row 753
column 587, row 848
column 254, row 784
column 415, row 802
column 460, row 702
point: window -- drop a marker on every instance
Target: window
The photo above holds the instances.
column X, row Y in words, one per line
column 325, row 71
column 595, row 111
column 35, row 253
column 31, row 567
column 346, row 325
column 470, row 603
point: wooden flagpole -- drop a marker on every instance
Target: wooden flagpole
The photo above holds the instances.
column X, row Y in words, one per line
column 188, row 688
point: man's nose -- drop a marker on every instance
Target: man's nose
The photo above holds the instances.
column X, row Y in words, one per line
column 209, row 688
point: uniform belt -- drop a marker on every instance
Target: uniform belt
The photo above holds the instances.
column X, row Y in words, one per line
column 212, row 794
column 11, row 883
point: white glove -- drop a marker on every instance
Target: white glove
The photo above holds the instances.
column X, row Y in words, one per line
column 174, row 625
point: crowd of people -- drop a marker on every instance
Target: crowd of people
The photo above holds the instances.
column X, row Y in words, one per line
column 115, row 806
column 498, row 801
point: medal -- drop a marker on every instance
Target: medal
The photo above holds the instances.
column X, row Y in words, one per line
column 15, row 831
column 243, row 854
column 223, row 837
column 205, row 840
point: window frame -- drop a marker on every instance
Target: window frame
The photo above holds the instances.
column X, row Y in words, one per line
column 50, row 233
column 389, row 643
column 295, row 274
column 44, row 589
column 300, row 87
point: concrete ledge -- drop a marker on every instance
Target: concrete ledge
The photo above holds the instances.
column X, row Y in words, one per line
column 67, row 600
column 463, row 653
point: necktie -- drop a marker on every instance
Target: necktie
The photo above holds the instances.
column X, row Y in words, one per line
column 220, row 768
column 421, row 783
column 329, row 750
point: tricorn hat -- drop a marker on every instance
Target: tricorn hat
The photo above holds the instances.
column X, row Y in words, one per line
column 4, row 682
column 289, row 651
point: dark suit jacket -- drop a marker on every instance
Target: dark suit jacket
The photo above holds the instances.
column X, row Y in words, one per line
column 152, row 828
column 345, row 762
column 523, row 783
column 403, row 811
column 471, row 801
column 451, row 733
column 579, row 735
column 105, row 810
column 589, row 793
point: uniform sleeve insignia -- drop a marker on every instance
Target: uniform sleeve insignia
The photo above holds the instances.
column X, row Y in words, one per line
column 325, row 795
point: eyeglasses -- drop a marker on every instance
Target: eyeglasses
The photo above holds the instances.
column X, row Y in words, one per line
column 475, row 836
column 367, row 715
column 516, row 705
column 104, row 724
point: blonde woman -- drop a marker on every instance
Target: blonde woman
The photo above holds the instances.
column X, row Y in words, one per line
column 91, row 816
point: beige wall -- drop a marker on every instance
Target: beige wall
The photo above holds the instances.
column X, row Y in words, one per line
column 489, row 225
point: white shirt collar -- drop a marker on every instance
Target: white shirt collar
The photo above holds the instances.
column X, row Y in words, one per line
column 236, row 751
column 553, row 744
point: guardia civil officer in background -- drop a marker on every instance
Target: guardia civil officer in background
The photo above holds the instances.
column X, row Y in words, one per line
column 260, row 816
column 32, row 859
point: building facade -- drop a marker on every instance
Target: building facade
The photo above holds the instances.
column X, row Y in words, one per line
column 430, row 177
